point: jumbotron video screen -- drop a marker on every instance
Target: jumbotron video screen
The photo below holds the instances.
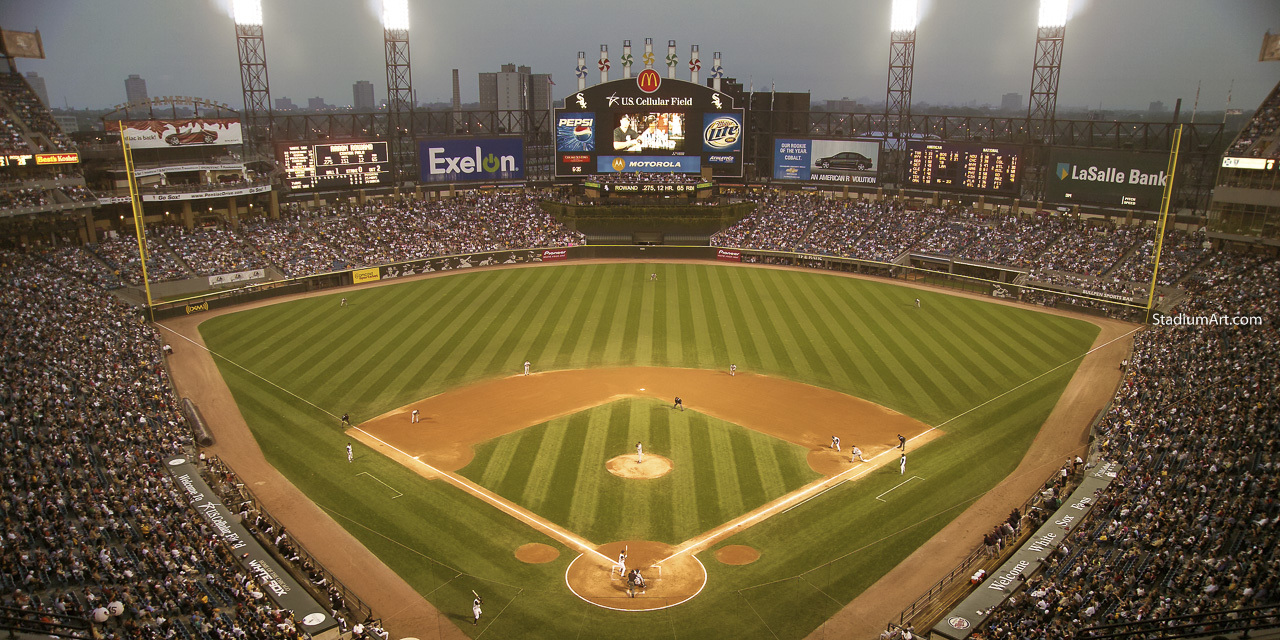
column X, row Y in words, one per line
column 648, row 124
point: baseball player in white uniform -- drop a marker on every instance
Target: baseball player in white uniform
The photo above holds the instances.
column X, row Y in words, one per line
column 855, row 454
column 902, row 464
column 413, row 417
column 475, row 610
column 733, row 369
column 526, row 367
column 621, row 565
column 350, row 455
column 835, row 443
column 639, row 453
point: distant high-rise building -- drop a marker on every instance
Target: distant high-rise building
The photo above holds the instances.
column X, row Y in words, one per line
column 69, row 124
column 1011, row 102
column 285, row 104
column 515, row 89
column 316, row 104
column 135, row 89
column 37, row 85
column 362, row 95
column 1156, row 107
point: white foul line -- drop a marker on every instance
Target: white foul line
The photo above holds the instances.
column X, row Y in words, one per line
column 375, row 478
column 898, row 485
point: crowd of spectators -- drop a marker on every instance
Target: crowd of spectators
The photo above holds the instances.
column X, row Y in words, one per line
column 639, row 177
column 11, row 138
column 212, row 250
column 1259, row 133
column 120, row 252
column 24, row 104
column 1189, row 524
column 24, row 197
column 92, row 522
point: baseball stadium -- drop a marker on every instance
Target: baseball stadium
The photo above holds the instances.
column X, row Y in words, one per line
column 658, row 356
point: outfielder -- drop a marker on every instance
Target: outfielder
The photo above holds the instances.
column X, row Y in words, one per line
column 413, row 417
column 639, row 453
column 526, row 367
column 835, row 443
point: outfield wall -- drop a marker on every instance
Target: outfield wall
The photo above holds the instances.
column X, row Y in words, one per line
column 949, row 278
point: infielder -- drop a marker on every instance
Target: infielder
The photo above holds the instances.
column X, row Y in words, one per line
column 350, row 455
column 346, row 420
column 526, row 367
column 413, row 417
column 639, row 453
column 855, row 454
column 475, row 609
column 733, row 368
column 902, row 465
column 902, row 442
column 679, row 404
column 835, row 443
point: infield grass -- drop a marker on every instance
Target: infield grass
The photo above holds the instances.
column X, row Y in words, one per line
column 719, row 471
column 989, row 373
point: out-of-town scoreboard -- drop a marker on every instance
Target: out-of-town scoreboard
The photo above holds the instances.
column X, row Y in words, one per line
column 335, row 165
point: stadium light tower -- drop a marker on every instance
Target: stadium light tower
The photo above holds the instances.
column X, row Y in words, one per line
column 1043, row 106
column 1046, row 67
column 247, row 15
column 902, row 60
column 395, row 36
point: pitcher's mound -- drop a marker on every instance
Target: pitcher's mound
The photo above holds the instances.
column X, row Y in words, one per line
column 536, row 553
column 627, row 467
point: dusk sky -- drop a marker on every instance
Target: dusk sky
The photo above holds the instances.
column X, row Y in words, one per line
column 1117, row 53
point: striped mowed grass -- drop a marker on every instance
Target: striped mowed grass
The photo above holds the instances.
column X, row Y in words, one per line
column 720, row 470
column 989, row 373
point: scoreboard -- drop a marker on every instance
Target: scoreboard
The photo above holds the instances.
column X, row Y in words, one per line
column 964, row 166
column 335, row 165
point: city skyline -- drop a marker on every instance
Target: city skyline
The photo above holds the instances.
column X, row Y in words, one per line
column 1115, row 56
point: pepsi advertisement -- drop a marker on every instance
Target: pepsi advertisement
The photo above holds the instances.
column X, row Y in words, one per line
column 471, row 160
column 661, row 125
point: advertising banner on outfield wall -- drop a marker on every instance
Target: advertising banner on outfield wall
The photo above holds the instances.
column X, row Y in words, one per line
column 434, row 265
column 1108, row 178
column 371, row 274
column 239, row 277
column 729, row 255
column 471, row 159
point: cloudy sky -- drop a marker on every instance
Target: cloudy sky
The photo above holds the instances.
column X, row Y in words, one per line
column 1117, row 54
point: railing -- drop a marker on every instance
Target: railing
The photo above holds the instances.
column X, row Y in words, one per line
column 233, row 493
column 1212, row 623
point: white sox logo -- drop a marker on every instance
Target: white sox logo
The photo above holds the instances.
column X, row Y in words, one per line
column 715, row 99
column 582, row 102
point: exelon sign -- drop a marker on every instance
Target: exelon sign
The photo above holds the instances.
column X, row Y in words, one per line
column 471, row 159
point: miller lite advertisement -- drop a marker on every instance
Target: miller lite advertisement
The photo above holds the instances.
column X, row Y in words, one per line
column 648, row 124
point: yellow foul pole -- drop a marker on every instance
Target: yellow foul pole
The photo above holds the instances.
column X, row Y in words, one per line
column 139, row 226
column 1165, row 203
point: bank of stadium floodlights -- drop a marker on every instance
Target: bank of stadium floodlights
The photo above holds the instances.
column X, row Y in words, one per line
column 395, row 38
column 247, row 14
column 902, row 62
column 1043, row 105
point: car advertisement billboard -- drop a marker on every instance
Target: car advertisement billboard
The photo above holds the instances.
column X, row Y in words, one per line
column 665, row 118
column 471, row 159
column 1107, row 178
column 832, row 161
column 167, row 134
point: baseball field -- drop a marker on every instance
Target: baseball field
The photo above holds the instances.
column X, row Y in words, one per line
column 522, row 488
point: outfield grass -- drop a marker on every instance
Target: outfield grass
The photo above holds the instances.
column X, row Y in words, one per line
column 719, row 471
column 399, row 343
